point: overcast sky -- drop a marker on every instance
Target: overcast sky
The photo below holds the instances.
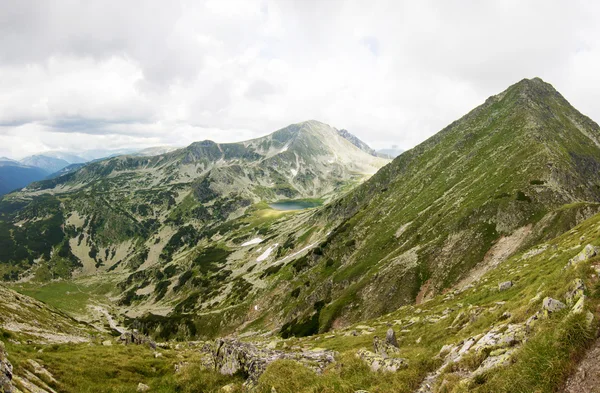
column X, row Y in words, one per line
column 78, row 75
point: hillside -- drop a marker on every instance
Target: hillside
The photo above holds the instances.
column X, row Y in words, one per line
column 519, row 169
column 120, row 213
column 14, row 175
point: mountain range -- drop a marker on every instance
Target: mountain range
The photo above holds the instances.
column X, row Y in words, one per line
column 468, row 263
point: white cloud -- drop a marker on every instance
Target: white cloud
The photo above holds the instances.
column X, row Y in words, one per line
column 114, row 74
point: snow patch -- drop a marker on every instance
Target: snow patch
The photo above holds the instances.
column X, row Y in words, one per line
column 267, row 252
column 285, row 148
column 256, row 240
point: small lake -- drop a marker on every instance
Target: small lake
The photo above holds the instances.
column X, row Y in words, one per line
column 294, row 205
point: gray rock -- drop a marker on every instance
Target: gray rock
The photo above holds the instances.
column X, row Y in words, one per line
column 588, row 252
column 379, row 363
column 231, row 356
column 503, row 286
column 6, row 372
column 390, row 338
column 136, row 338
column 142, row 387
column 382, row 348
column 577, row 290
column 552, row 305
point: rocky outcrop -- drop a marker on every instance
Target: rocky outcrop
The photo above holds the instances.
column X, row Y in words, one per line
column 379, row 363
column 232, row 356
column 136, row 338
column 380, row 359
column 588, row 252
column 6, row 372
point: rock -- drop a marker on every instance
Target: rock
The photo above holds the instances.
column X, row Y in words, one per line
column 107, row 343
column 136, row 338
column 418, row 340
column 503, row 286
column 578, row 308
column 577, row 290
column 588, row 252
column 552, row 305
column 382, row 348
column 157, row 355
column 532, row 321
column 40, row 371
column 6, row 372
column 142, row 387
column 390, row 338
column 589, row 319
column 492, row 362
column 231, row 356
column 378, row 363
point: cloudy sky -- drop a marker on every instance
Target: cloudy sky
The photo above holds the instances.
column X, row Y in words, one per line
column 78, row 75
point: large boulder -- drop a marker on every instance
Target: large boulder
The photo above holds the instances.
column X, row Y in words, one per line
column 231, row 356
column 6, row 372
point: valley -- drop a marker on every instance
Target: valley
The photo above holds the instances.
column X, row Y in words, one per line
column 303, row 261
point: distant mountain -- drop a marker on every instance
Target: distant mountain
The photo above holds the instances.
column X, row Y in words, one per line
column 357, row 142
column 71, row 158
column 390, row 153
column 14, row 175
column 154, row 151
column 185, row 194
column 68, row 169
column 46, row 163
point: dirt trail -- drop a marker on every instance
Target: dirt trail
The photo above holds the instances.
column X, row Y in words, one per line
column 586, row 378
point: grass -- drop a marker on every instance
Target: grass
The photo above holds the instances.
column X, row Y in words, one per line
column 87, row 368
column 69, row 296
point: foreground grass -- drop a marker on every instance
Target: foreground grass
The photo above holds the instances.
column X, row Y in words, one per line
column 85, row 368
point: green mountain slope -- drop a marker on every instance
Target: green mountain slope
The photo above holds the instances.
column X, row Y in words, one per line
column 114, row 216
column 489, row 184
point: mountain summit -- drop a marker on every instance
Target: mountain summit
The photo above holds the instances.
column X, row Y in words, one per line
column 489, row 184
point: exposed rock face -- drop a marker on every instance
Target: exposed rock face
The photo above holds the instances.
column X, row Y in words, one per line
column 6, row 372
column 231, row 356
column 136, row 338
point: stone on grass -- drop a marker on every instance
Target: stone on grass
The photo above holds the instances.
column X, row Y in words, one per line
column 503, row 286
column 142, row 387
column 390, row 338
column 379, row 363
column 552, row 305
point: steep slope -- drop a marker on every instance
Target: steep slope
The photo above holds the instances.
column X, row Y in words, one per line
column 14, row 175
column 520, row 168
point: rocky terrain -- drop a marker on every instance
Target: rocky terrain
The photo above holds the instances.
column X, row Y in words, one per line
column 468, row 264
